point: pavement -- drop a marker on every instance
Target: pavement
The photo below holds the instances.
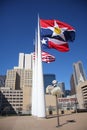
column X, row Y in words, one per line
column 76, row 121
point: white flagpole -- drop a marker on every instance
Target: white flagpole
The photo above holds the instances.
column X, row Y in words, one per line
column 34, row 81
column 33, row 85
column 36, row 78
column 41, row 95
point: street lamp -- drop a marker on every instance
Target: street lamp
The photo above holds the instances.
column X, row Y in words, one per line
column 57, row 93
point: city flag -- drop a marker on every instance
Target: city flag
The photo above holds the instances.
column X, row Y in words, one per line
column 46, row 57
column 54, row 44
column 57, row 29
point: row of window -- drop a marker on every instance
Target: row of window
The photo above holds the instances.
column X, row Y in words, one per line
column 13, row 91
column 20, row 98
column 12, row 95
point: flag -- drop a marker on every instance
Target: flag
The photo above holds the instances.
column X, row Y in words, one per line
column 46, row 57
column 57, row 29
column 54, row 44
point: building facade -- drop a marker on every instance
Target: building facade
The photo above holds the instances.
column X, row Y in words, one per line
column 48, row 78
column 79, row 73
column 80, row 85
column 67, row 103
column 82, row 95
column 72, row 85
column 16, row 95
column 2, row 80
column 15, row 101
column 25, row 61
column 62, row 87
column 10, row 100
column 17, row 78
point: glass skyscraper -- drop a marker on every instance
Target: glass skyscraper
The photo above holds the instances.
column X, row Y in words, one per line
column 48, row 78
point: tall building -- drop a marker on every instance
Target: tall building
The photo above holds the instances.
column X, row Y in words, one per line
column 28, row 61
column 2, row 80
column 79, row 74
column 21, row 60
column 17, row 91
column 25, row 61
column 18, row 78
column 80, row 85
column 82, row 95
column 72, row 85
column 62, row 87
column 21, row 75
column 48, row 78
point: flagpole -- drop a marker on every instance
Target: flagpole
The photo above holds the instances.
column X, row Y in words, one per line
column 33, row 86
column 41, row 95
column 34, row 79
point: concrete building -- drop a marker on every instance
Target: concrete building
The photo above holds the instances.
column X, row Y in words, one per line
column 82, row 95
column 16, row 101
column 79, row 73
column 17, row 91
column 25, row 61
column 72, row 85
column 62, row 87
column 80, row 85
column 17, row 78
column 10, row 99
column 21, row 63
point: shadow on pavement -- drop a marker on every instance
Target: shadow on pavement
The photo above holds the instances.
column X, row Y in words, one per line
column 68, row 121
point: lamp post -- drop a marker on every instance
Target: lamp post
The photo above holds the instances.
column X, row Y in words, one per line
column 56, row 91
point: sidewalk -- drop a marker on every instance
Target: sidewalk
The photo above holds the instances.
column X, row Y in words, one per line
column 76, row 121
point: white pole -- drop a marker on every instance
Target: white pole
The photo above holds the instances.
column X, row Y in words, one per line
column 33, row 85
column 41, row 95
column 34, row 80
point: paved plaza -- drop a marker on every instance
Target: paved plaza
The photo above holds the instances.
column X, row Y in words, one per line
column 77, row 121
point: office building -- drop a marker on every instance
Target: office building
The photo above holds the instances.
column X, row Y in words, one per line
column 21, row 60
column 18, row 78
column 82, row 95
column 10, row 99
column 21, row 75
column 25, row 61
column 48, row 78
column 17, row 91
column 79, row 73
column 80, row 85
column 15, row 101
column 62, row 87
column 72, row 85
column 2, row 80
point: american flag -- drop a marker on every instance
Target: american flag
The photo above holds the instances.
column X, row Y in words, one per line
column 46, row 57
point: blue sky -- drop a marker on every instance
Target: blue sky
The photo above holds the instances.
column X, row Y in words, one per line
column 18, row 21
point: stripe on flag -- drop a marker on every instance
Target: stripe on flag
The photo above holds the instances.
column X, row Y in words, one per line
column 46, row 57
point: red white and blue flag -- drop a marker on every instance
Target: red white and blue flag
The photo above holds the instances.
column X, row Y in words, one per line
column 56, row 34
column 54, row 44
column 46, row 57
column 57, row 29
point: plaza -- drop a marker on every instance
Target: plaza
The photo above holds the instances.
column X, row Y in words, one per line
column 76, row 121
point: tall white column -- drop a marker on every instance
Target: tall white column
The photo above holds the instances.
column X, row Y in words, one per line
column 41, row 95
column 34, row 81
column 33, row 86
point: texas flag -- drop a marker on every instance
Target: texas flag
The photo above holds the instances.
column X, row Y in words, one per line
column 54, row 44
column 57, row 29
